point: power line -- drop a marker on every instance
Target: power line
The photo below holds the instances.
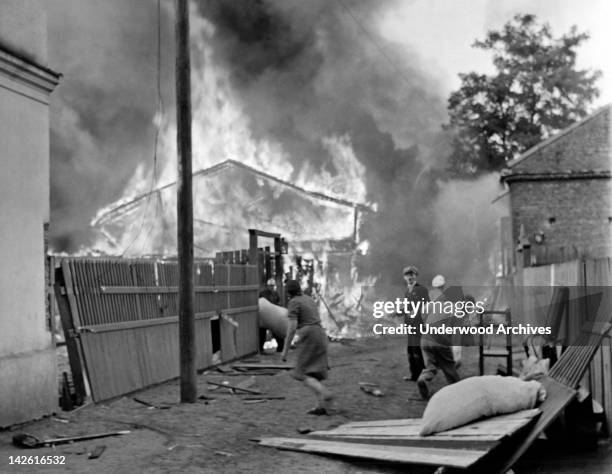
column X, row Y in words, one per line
column 158, row 119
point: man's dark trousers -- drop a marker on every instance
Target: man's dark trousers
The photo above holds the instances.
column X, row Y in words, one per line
column 415, row 356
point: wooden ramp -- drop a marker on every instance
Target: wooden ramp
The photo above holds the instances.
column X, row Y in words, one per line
column 490, row 429
column 399, row 441
column 460, row 458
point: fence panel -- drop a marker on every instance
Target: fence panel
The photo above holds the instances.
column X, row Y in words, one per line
column 124, row 315
column 598, row 279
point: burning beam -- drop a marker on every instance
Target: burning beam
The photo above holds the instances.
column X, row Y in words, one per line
column 107, row 214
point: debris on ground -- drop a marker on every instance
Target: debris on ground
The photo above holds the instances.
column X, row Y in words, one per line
column 25, row 440
column 96, row 452
column 234, row 387
column 250, row 366
column 223, row 369
column 151, row 405
column 265, row 397
column 206, row 397
column 246, row 383
column 371, row 388
column 163, row 436
column 252, row 372
column 223, row 453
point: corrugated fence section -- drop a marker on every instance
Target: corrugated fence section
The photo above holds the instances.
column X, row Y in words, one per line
column 590, row 282
column 120, row 317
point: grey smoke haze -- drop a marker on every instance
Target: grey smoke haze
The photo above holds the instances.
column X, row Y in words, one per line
column 102, row 112
column 302, row 69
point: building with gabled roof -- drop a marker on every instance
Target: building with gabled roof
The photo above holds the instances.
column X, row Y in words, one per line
column 560, row 192
column 229, row 198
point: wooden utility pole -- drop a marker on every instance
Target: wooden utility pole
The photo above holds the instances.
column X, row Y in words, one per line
column 184, row 202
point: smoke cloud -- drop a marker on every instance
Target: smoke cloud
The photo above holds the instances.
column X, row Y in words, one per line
column 307, row 69
column 102, row 112
column 302, row 71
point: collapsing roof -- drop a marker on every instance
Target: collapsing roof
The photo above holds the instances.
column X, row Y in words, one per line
column 229, row 198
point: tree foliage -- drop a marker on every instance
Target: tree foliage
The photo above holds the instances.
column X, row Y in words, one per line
column 535, row 92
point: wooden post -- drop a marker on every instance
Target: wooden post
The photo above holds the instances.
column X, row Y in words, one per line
column 278, row 267
column 187, row 345
column 253, row 248
column 267, row 270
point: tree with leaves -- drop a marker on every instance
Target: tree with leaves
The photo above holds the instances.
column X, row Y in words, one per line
column 535, row 92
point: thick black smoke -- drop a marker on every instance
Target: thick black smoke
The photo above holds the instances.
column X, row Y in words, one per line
column 303, row 70
column 306, row 70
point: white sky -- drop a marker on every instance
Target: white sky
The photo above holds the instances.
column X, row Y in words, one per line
column 442, row 32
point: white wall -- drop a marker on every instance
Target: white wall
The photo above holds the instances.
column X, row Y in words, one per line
column 28, row 371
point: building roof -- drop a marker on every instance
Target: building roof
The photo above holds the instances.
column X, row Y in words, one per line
column 581, row 151
column 228, row 164
column 533, row 150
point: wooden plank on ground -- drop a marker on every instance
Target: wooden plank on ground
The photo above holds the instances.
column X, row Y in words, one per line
column 235, row 387
column 491, row 429
column 262, row 366
column 459, row 458
column 417, row 421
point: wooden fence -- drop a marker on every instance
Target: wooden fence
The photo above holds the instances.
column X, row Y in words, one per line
column 120, row 319
column 590, row 283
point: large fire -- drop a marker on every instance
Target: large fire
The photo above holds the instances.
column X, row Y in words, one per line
column 241, row 182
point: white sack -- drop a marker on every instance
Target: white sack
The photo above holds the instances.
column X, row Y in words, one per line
column 273, row 318
column 477, row 397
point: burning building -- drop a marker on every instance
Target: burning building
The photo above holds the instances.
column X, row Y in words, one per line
column 274, row 86
column 230, row 198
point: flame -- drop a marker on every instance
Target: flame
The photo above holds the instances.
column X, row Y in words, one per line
column 143, row 220
column 229, row 198
column 345, row 298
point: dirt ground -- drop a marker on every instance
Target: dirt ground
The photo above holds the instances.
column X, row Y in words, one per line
column 215, row 436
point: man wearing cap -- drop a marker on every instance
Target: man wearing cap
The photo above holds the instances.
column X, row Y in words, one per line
column 414, row 293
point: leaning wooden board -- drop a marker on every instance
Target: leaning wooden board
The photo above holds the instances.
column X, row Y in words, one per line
column 459, row 458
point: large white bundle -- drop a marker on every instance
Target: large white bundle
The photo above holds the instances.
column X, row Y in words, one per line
column 477, row 397
column 273, row 317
